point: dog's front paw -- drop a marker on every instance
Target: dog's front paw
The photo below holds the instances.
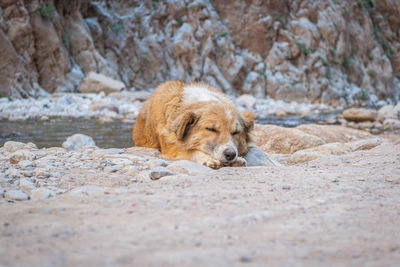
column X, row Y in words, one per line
column 212, row 163
column 240, row 162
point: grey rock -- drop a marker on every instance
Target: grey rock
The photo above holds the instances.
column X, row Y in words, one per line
column 156, row 163
column 256, row 157
column 78, row 141
column 26, row 184
column 23, row 164
column 160, row 172
column 14, row 194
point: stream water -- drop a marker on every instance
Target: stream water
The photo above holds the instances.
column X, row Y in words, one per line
column 106, row 135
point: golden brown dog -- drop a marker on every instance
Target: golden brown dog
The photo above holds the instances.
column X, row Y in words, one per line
column 194, row 122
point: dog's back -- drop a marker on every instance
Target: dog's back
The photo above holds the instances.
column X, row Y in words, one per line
column 155, row 112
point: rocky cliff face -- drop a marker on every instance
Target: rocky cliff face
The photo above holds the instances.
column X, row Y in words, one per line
column 326, row 51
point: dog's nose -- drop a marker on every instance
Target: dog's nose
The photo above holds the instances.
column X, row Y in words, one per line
column 229, row 154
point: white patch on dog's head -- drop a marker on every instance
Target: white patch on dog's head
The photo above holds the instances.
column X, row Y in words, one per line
column 197, row 93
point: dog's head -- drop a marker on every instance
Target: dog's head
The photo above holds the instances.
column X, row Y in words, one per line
column 216, row 129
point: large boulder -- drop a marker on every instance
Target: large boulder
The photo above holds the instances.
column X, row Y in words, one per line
column 96, row 83
column 332, row 149
column 333, row 133
column 280, row 140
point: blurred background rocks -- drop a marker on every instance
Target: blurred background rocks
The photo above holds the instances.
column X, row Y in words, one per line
column 331, row 52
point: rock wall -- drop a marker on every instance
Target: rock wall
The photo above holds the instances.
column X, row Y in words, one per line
column 335, row 52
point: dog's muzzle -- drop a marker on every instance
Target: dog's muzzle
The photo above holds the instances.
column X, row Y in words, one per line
column 230, row 154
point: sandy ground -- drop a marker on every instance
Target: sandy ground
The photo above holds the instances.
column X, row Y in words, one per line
column 336, row 210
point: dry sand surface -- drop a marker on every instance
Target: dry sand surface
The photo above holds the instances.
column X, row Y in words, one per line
column 335, row 210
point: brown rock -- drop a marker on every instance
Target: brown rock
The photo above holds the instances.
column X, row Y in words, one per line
column 280, row 140
column 19, row 155
column 359, row 114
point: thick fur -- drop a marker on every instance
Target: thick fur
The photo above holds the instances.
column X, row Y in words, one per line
column 194, row 122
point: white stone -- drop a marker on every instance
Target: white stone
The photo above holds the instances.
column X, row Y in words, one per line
column 96, row 83
column 160, row 172
column 16, row 195
column 248, row 101
column 41, row 193
column 12, row 146
column 78, row 141
column 387, row 112
column 23, row 164
column 26, row 184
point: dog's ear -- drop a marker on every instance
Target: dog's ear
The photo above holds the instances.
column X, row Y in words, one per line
column 248, row 121
column 183, row 124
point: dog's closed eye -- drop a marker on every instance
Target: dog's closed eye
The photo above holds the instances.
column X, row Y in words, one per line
column 211, row 129
column 235, row 133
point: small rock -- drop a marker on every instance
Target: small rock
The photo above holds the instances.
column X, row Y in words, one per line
column 248, row 101
column 26, row 184
column 23, row 164
column 156, row 163
column 245, row 259
column 28, row 173
column 42, row 193
column 12, row 146
column 15, row 195
column 39, row 172
column 387, row 112
column 96, row 83
column 78, row 141
column 359, row 114
column 286, row 187
column 391, row 124
column 2, row 191
column 13, row 173
column 159, row 172
column 19, row 155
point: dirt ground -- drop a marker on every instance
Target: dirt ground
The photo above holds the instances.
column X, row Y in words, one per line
column 336, row 210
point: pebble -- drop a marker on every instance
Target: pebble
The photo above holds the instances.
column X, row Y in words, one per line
column 78, row 141
column 159, row 172
column 156, row 163
column 14, row 194
column 13, row 173
column 42, row 193
column 23, row 164
column 26, row 184
column 12, row 146
column 19, row 155
column 39, row 172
